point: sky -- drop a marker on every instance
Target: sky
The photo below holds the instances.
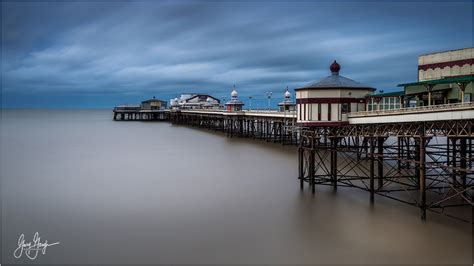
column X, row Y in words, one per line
column 87, row 54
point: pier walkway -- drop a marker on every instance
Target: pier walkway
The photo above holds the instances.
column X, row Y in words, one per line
column 270, row 125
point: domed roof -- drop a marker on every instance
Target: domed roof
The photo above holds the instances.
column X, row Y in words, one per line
column 234, row 94
column 287, row 94
column 335, row 81
column 174, row 101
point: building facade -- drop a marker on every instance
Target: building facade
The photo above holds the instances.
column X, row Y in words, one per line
column 195, row 101
column 453, row 63
column 153, row 104
column 443, row 78
column 328, row 101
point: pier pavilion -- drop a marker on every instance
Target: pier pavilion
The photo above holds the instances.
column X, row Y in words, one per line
column 194, row 101
column 287, row 105
column 153, row 104
column 234, row 105
column 327, row 102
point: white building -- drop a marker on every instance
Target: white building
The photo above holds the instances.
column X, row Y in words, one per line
column 195, row 101
column 234, row 105
column 287, row 105
column 328, row 101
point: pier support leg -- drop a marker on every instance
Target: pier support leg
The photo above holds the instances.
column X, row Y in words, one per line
column 366, row 147
column 448, row 161
column 301, row 166
column 380, row 142
column 334, row 163
column 399, row 152
column 417, row 164
column 311, row 170
column 241, row 127
column 463, row 162
column 453, row 159
column 422, row 170
column 371, row 172
column 357, row 145
column 470, row 152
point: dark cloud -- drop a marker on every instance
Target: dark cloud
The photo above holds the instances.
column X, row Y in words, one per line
column 98, row 52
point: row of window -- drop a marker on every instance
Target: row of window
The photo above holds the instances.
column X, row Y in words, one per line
column 386, row 103
column 304, row 109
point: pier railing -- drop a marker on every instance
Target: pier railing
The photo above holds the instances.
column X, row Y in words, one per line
column 411, row 110
column 243, row 112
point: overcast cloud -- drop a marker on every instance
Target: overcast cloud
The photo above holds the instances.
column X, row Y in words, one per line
column 99, row 54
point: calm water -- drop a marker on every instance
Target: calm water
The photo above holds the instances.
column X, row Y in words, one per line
column 138, row 192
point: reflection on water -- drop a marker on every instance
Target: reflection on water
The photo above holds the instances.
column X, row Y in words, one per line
column 138, row 192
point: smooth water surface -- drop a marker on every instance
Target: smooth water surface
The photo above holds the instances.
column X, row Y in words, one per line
column 152, row 192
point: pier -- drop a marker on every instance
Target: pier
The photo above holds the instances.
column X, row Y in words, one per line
column 140, row 115
column 413, row 146
column 426, row 164
column 271, row 126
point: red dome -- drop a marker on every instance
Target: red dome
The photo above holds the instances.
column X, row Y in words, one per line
column 335, row 67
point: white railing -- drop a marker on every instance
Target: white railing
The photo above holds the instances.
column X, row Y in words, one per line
column 421, row 109
column 243, row 111
column 270, row 112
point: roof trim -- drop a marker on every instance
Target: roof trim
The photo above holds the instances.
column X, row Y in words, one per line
column 335, row 88
column 446, row 51
column 197, row 95
column 467, row 79
column 153, row 100
column 387, row 94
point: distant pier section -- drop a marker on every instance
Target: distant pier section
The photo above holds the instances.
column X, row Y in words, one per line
column 149, row 110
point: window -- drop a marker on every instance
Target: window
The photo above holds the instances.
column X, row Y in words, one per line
column 345, row 108
column 319, row 112
column 397, row 103
column 299, row 111
column 304, row 112
column 467, row 97
column 329, row 112
column 310, row 112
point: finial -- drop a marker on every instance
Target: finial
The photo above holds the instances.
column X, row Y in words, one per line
column 234, row 94
column 335, row 68
column 287, row 93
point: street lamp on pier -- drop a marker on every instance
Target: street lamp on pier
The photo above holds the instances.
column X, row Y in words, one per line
column 269, row 97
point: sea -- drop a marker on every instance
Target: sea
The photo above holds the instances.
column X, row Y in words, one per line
column 129, row 192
